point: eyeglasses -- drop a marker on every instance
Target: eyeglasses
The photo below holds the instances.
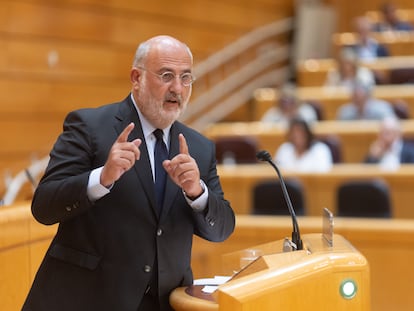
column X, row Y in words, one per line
column 186, row 78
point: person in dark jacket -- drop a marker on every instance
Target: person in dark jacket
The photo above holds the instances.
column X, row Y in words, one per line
column 121, row 244
column 367, row 47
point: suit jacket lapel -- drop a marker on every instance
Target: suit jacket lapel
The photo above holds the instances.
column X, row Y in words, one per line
column 142, row 167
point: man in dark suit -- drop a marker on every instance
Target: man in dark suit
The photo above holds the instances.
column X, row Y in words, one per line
column 367, row 47
column 390, row 149
column 119, row 247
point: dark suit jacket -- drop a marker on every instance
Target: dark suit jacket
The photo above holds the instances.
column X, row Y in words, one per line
column 406, row 156
column 103, row 253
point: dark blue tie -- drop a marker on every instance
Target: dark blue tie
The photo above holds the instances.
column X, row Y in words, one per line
column 160, row 154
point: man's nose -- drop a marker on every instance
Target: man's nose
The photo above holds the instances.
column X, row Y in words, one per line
column 176, row 85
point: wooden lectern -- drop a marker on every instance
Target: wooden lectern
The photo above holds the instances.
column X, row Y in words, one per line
column 322, row 276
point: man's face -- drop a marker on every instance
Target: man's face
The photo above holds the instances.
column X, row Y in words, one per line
column 298, row 137
column 388, row 134
column 163, row 102
column 359, row 97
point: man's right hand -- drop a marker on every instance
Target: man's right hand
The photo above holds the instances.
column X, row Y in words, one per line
column 121, row 158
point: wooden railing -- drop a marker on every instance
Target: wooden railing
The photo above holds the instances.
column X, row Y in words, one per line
column 227, row 79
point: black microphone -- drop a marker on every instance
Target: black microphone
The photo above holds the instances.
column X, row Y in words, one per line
column 265, row 156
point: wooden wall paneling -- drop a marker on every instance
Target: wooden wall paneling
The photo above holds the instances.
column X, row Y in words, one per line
column 208, row 25
column 45, row 98
column 347, row 10
column 14, row 258
column 67, row 60
column 230, row 13
column 60, row 56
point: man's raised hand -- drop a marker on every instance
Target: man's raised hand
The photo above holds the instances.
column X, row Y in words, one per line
column 184, row 171
column 121, row 158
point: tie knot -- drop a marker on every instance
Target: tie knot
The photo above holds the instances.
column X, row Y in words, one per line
column 158, row 134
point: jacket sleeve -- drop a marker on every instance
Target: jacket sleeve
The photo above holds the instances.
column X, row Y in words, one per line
column 62, row 191
column 217, row 221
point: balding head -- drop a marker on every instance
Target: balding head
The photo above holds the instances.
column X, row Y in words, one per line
column 158, row 43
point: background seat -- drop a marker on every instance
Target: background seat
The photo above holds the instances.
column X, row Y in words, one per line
column 316, row 105
column 367, row 198
column 335, row 146
column 401, row 109
column 239, row 149
column 401, row 75
column 268, row 198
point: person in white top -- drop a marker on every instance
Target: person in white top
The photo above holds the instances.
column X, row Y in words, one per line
column 363, row 106
column 302, row 152
column 287, row 107
column 348, row 71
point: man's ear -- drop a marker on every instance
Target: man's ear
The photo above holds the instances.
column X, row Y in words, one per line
column 135, row 76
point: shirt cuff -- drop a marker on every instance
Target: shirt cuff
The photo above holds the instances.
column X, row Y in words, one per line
column 95, row 190
column 200, row 203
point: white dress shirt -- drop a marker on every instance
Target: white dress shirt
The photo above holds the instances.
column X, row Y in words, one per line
column 95, row 190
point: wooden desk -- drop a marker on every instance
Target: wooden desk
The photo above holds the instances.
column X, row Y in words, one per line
column 388, row 246
column 313, row 72
column 276, row 279
column 331, row 98
column 399, row 43
column 404, row 14
column 23, row 243
column 356, row 136
column 320, row 188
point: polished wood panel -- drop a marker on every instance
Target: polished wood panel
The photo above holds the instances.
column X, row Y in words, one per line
column 404, row 13
column 320, row 188
column 276, row 279
column 355, row 136
column 34, row 117
column 388, row 246
column 347, row 11
column 313, row 72
column 398, row 43
column 59, row 56
column 55, row 59
column 331, row 98
column 23, row 243
column 206, row 27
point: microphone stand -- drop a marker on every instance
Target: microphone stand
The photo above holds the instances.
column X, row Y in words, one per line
column 296, row 239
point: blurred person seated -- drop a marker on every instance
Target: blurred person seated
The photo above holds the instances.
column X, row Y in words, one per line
column 363, row 106
column 287, row 107
column 302, row 152
column 389, row 149
column 349, row 70
column 367, row 47
column 391, row 20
